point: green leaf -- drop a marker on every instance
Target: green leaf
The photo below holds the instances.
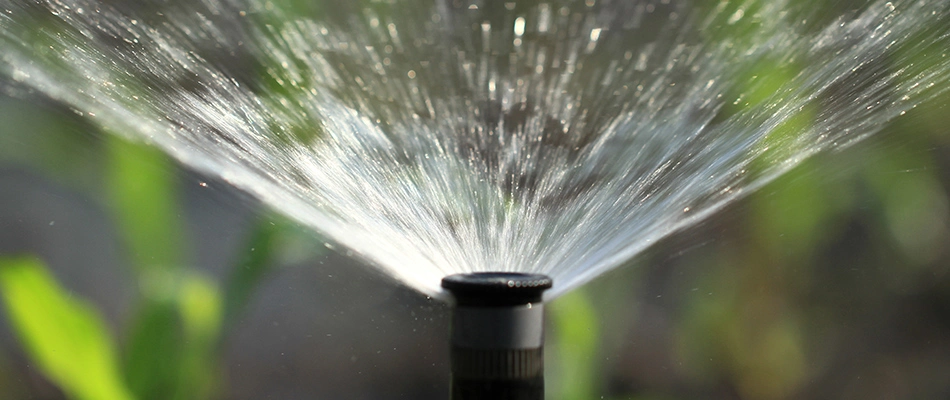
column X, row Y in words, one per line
column 200, row 307
column 154, row 353
column 274, row 240
column 199, row 303
column 254, row 264
column 145, row 204
column 62, row 334
column 171, row 350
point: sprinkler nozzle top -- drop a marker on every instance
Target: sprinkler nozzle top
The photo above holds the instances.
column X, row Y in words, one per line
column 496, row 289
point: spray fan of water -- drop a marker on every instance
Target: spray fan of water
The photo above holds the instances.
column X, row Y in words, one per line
column 441, row 137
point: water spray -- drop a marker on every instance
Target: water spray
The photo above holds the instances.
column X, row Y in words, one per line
column 497, row 335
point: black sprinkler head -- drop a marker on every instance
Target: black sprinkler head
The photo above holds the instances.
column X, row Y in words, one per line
column 496, row 289
column 497, row 335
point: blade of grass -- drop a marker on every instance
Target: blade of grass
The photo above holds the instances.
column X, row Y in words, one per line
column 153, row 352
column 144, row 202
column 199, row 303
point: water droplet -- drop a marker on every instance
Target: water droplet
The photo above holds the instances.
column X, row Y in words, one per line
column 735, row 17
column 519, row 26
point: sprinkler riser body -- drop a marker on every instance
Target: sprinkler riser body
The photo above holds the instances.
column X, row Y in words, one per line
column 497, row 339
column 519, row 327
column 498, row 353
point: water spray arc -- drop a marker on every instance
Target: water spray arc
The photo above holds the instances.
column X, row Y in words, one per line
column 497, row 335
column 560, row 138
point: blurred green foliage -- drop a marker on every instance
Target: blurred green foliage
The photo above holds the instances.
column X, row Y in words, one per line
column 145, row 204
column 575, row 324
column 64, row 336
column 171, row 348
column 819, row 285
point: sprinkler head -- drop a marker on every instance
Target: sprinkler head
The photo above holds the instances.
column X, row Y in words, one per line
column 496, row 289
column 497, row 335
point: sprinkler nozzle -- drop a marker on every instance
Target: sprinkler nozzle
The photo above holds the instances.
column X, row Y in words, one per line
column 497, row 335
